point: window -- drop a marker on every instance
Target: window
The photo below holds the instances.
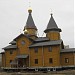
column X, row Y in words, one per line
column 10, row 61
column 66, row 60
column 36, row 61
column 11, row 52
column 50, row 49
column 23, row 42
column 36, row 50
column 50, row 60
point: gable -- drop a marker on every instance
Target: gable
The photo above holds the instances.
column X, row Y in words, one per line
column 23, row 35
column 23, row 43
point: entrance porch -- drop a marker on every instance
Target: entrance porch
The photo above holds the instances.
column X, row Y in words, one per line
column 21, row 61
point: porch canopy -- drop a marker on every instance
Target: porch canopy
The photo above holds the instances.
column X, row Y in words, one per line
column 22, row 56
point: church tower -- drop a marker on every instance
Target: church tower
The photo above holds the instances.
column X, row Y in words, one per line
column 52, row 31
column 30, row 29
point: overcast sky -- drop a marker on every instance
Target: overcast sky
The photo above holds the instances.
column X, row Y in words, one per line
column 14, row 13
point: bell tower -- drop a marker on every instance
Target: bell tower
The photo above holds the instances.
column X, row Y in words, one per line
column 30, row 29
column 52, row 31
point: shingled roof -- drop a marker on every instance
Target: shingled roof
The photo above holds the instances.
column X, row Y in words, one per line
column 47, row 43
column 10, row 47
column 68, row 50
column 30, row 23
column 13, row 42
column 41, row 39
column 52, row 26
column 22, row 56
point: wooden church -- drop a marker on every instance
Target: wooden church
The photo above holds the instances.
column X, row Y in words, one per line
column 30, row 51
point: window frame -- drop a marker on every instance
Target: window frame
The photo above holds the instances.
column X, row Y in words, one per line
column 36, row 50
column 10, row 61
column 23, row 42
column 49, row 49
column 11, row 51
column 50, row 60
column 36, row 61
column 66, row 60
